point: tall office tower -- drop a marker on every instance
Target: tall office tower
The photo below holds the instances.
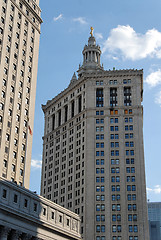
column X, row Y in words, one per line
column 19, row 47
column 93, row 158
column 154, row 216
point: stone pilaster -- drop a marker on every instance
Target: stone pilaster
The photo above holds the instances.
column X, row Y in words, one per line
column 4, row 231
column 26, row 236
column 15, row 234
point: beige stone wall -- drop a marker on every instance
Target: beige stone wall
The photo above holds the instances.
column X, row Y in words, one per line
column 19, row 50
column 69, row 172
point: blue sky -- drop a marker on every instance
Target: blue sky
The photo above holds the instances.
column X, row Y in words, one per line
column 129, row 33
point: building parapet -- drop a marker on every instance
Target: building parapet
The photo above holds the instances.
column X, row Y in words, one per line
column 29, row 213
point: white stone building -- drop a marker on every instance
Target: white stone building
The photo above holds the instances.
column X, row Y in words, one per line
column 19, row 48
column 93, row 157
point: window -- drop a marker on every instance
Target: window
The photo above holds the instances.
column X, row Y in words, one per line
column 118, row 207
column 114, row 218
column 112, row 128
column 25, row 203
column 15, row 199
column 133, row 188
column 113, row 228
column 119, row 228
column 134, row 197
column 102, row 197
column 134, row 217
column 112, row 136
column 98, row 218
column 98, row 207
column 130, row 228
column 79, row 104
column 129, row 207
column 97, row 228
column 132, row 170
column 117, row 152
column 117, row 179
column 116, row 128
column 112, row 179
column 117, row 170
column 72, row 109
column 127, row 96
column 135, row 228
column 128, row 180
column 131, row 152
column 103, row 228
column 99, row 97
column 113, row 97
column 130, row 217
column 4, row 193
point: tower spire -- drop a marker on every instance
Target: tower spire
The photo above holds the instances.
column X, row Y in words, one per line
column 91, row 55
column 91, row 31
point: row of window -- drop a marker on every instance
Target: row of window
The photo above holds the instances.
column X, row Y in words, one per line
column 100, row 228
column 116, row 128
column 111, row 82
column 16, row 199
column 113, row 97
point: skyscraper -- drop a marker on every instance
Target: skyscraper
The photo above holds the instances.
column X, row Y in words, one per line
column 93, row 158
column 19, row 47
column 154, row 216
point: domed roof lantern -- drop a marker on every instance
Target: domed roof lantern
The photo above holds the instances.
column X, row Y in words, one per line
column 91, row 56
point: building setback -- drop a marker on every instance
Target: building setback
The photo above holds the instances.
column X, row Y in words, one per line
column 93, row 158
column 19, row 47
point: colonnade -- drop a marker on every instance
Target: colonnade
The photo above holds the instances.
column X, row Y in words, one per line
column 8, row 233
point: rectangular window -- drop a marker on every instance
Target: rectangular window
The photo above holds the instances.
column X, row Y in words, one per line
column 113, row 97
column 127, row 96
column 59, row 118
column 72, row 109
column 79, row 104
column 66, row 113
column 53, row 122
column 99, row 97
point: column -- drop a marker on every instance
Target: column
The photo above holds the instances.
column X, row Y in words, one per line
column 26, row 236
column 36, row 238
column 15, row 234
column 4, row 231
column 95, row 57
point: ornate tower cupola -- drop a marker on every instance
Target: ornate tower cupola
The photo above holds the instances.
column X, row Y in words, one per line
column 91, row 56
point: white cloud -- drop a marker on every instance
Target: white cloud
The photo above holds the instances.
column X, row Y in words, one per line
column 98, row 35
column 156, row 189
column 132, row 45
column 36, row 164
column 58, row 18
column 154, row 78
column 81, row 20
column 158, row 98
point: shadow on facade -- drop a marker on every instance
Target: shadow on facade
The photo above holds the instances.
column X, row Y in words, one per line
column 24, row 215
